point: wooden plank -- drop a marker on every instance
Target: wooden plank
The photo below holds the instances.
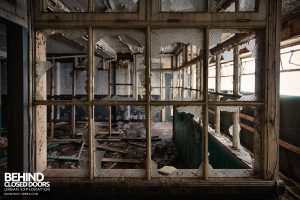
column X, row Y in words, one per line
column 137, row 144
column 122, row 160
column 289, row 146
column 104, row 147
column 235, row 40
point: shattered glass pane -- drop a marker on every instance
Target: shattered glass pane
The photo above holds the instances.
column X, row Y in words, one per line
column 121, row 144
column 65, row 5
column 179, row 78
column 120, row 64
column 224, row 43
column 66, row 122
column 231, row 6
column 180, row 136
column 183, row 5
column 61, row 63
column 232, row 122
column 116, row 5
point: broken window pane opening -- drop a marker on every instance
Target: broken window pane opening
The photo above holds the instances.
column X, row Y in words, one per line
column 183, row 6
column 120, row 135
column 61, row 65
column 116, row 6
column 180, row 145
column 67, row 141
column 234, row 6
column 120, row 64
column 234, row 65
column 65, row 6
column 235, row 129
column 184, row 79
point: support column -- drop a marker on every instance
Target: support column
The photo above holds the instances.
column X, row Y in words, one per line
column 270, row 130
column 148, row 108
column 52, row 117
column 236, row 83
column 218, row 90
column 41, row 111
column 74, row 78
column 90, row 93
column 109, row 95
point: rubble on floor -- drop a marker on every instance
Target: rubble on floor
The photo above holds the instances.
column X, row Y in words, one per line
column 124, row 148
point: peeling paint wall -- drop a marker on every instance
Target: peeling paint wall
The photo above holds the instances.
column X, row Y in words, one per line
column 41, row 111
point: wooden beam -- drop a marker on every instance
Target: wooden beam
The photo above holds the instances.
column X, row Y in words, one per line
column 122, row 160
column 90, row 93
column 148, row 99
column 52, row 85
column 248, row 128
column 270, row 133
column 289, row 146
column 239, row 38
column 205, row 107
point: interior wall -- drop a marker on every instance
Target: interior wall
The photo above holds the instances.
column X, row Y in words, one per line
column 289, row 132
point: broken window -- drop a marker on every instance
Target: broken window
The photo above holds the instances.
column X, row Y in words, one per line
column 66, row 5
column 233, row 67
column 237, row 129
column 67, row 142
column 120, row 65
column 181, row 80
column 180, row 140
column 61, row 65
column 234, row 5
column 183, row 6
column 96, row 116
column 120, row 135
column 116, row 5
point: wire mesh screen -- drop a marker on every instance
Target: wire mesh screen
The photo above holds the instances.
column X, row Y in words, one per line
column 183, row 5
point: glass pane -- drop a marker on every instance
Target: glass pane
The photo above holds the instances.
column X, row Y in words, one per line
column 120, row 133
column 116, row 5
column 61, row 64
column 231, row 138
column 180, row 140
column 65, row 5
column 181, row 81
column 183, row 6
column 234, row 5
column 120, row 64
column 230, row 50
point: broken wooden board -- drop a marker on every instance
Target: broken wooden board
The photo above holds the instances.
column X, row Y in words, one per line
column 121, row 160
column 137, row 144
column 104, row 147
